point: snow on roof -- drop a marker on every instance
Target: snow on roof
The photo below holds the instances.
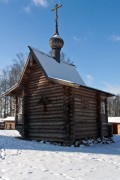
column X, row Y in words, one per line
column 61, row 71
column 9, row 118
column 1, row 120
column 57, row 36
column 114, row 119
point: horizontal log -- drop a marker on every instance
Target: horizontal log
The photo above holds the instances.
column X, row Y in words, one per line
column 44, row 123
column 46, row 131
column 34, row 123
column 89, row 122
column 86, row 135
column 38, row 82
column 58, row 97
column 37, row 76
column 38, row 118
column 85, row 115
column 47, row 116
column 45, row 91
column 79, row 93
column 85, row 121
column 39, row 109
column 34, row 105
column 58, row 139
column 44, row 85
column 36, row 70
column 81, row 129
column 47, row 135
column 51, row 96
column 52, row 99
column 84, row 90
column 48, row 113
column 89, row 103
column 80, row 111
column 40, row 79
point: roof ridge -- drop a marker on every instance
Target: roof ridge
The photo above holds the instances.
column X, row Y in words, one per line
column 37, row 49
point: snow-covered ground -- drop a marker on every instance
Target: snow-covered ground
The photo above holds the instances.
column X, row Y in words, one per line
column 30, row 160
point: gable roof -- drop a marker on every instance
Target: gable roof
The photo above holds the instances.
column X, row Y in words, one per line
column 62, row 73
column 53, row 69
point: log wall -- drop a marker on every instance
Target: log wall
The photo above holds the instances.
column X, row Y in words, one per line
column 85, row 117
column 9, row 125
column 45, row 106
column 88, row 120
column 56, row 112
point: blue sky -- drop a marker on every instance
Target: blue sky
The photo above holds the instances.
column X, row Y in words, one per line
column 90, row 29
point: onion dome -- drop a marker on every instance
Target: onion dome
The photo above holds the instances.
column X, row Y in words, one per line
column 56, row 42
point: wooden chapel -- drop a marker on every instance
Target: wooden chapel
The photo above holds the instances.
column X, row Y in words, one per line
column 56, row 103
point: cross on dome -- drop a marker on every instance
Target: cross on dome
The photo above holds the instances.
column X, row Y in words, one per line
column 56, row 18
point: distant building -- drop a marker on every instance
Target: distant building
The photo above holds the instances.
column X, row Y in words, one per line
column 7, row 123
column 115, row 121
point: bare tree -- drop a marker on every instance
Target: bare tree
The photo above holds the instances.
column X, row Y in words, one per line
column 9, row 76
column 16, row 69
column 114, row 106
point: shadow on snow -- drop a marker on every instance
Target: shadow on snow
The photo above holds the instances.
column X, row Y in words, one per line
column 7, row 142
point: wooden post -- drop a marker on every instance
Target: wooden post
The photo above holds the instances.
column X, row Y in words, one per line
column 106, row 114
column 16, row 110
column 106, row 110
column 24, row 117
column 99, row 118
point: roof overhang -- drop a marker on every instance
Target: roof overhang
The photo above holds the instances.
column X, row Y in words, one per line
column 17, row 89
column 73, row 85
column 13, row 90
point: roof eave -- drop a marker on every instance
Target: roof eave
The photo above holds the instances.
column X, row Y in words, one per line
column 100, row 91
column 9, row 91
column 71, row 84
column 37, row 61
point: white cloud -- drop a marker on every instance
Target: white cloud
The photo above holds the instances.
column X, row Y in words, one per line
column 27, row 9
column 115, row 89
column 76, row 39
column 90, row 79
column 43, row 3
column 115, row 38
column 4, row 1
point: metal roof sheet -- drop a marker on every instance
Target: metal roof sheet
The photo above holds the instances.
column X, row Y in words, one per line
column 55, row 70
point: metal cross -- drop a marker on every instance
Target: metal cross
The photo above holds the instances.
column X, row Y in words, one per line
column 56, row 18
